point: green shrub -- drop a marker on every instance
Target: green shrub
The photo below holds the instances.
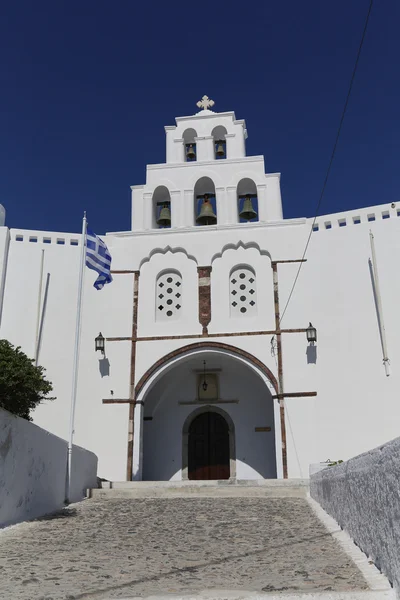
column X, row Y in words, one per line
column 22, row 385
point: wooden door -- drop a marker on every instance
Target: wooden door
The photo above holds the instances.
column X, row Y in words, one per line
column 209, row 447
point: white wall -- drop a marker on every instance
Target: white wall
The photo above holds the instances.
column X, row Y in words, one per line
column 33, row 465
column 100, row 428
column 363, row 495
column 356, row 404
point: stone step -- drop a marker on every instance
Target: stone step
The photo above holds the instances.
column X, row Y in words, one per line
column 243, row 595
column 273, row 488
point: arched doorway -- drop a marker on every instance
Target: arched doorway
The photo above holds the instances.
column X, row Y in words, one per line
column 166, row 399
column 208, row 447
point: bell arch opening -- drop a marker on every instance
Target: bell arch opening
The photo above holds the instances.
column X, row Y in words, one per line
column 247, row 201
column 189, row 140
column 161, row 208
column 219, row 141
column 205, row 207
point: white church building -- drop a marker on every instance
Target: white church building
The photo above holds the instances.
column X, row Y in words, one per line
column 204, row 374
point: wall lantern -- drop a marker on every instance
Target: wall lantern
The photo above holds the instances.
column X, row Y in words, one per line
column 204, row 385
column 99, row 344
column 311, row 333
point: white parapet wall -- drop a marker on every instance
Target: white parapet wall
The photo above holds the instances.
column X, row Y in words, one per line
column 363, row 496
column 33, row 466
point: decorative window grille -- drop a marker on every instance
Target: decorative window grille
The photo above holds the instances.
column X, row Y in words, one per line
column 243, row 292
column 168, row 296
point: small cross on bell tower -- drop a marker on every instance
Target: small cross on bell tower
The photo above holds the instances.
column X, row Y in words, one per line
column 205, row 103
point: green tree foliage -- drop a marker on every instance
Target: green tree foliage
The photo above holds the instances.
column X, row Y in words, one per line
column 22, row 385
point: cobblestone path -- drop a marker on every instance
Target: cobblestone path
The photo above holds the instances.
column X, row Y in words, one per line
column 116, row 548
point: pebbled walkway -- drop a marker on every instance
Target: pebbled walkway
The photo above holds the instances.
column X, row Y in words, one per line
column 116, row 548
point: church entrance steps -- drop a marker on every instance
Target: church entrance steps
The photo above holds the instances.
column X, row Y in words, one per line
column 228, row 595
column 274, row 488
column 211, row 548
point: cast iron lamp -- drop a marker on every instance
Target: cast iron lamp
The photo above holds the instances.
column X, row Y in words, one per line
column 204, row 385
column 311, row 333
column 99, row 344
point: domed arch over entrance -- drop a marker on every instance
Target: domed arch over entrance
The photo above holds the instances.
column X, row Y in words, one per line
column 245, row 443
column 208, row 445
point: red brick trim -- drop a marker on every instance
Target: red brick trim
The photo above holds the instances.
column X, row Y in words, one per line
column 204, row 297
column 131, row 422
column 214, row 345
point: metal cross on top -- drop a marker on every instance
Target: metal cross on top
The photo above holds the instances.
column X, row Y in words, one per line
column 205, row 103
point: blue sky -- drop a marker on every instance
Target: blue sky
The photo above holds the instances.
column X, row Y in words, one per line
column 86, row 89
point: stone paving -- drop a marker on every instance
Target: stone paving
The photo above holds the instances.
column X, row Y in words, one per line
column 116, row 548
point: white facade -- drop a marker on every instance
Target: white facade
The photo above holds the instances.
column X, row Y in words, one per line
column 356, row 406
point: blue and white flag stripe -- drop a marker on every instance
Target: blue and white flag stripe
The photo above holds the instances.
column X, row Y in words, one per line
column 98, row 258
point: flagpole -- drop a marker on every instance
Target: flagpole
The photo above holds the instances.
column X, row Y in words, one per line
column 76, row 359
column 39, row 302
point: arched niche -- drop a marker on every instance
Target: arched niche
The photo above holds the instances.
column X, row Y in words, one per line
column 169, row 292
column 204, row 191
column 161, row 200
column 219, row 142
column 243, row 291
column 247, row 191
column 189, row 141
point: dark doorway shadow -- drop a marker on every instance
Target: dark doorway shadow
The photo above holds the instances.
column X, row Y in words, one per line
column 311, row 355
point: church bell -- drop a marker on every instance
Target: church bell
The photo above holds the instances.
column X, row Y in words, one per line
column 248, row 213
column 220, row 150
column 190, row 153
column 164, row 218
column 206, row 215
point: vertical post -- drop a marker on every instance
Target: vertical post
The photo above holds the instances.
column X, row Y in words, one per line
column 41, row 320
column 263, row 204
column 176, row 208
column 39, row 302
column 188, row 211
column 76, row 357
column 204, row 274
column 232, row 204
column 179, row 150
column 381, row 324
column 4, row 248
column 280, row 369
column 131, row 425
column 274, row 198
column 221, row 204
column 137, row 451
column 148, row 210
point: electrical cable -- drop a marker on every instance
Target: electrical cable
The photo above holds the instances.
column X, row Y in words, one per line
column 332, row 157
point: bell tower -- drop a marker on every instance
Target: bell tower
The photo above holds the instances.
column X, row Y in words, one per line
column 207, row 179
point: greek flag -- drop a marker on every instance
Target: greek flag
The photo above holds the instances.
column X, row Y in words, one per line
column 98, row 258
